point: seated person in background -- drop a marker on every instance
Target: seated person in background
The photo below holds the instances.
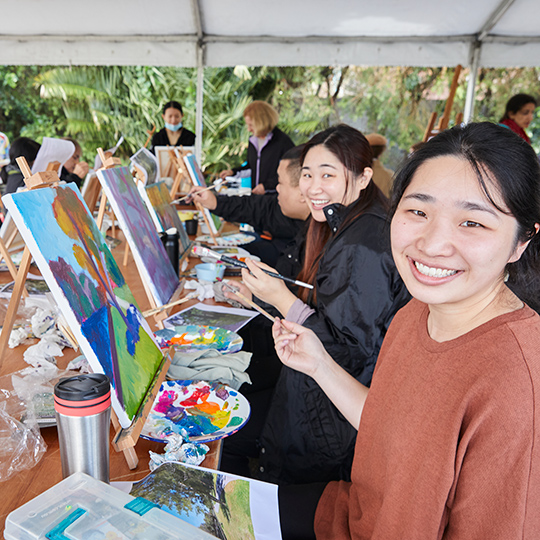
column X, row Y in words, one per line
column 283, row 214
column 4, row 150
column 174, row 133
column 11, row 175
column 518, row 114
column 266, row 147
column 74, row 170
column 357, row 291
column 381, row 175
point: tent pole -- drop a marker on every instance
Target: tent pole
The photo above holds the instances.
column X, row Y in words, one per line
column 476, row 48
column 199, row 105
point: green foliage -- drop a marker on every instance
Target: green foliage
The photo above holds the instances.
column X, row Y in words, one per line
column 97, row 104
column 23, row 112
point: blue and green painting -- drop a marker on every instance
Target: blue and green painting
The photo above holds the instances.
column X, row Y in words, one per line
column 90, row 290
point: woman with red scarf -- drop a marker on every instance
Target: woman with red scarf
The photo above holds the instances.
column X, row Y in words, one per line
column 519, row 114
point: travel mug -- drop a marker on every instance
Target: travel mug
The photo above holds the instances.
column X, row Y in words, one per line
column 83, row 412
column 170, row 240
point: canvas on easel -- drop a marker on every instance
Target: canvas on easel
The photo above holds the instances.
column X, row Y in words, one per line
column 155, row 267
column 164, row 215
column 167, row 165
column 90, row 291
column 212, row 221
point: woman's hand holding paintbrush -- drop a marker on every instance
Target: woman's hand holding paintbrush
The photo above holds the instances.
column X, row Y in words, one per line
column 245, row 297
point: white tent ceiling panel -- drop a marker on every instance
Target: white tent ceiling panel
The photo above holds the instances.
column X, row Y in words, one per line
column 105, row 53
column 99, row 17
column 280, row 32
column 501, row 55
column 521, row 19
column 321, row 53
column 344, row 17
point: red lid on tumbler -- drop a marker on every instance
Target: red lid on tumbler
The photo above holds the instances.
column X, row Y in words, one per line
column 82, row 395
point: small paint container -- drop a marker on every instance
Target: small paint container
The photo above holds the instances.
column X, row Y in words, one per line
column 209, row 271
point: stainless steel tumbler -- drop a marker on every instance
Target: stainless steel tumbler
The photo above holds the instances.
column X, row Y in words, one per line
column 83, row 413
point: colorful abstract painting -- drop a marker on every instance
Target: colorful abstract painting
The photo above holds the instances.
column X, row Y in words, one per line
column 158, row 201
column 150, row 256
column 89, row 289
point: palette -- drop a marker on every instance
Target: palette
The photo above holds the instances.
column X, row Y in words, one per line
column 192, row 337
column 237, row 239
column 202, row 410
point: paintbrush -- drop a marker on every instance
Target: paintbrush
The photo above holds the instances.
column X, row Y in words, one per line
column 167, row 306
column 190, row 195
column 249, row 302
column 205, row 252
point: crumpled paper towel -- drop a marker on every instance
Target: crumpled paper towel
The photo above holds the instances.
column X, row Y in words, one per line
column 204, row 289
column 178, row 449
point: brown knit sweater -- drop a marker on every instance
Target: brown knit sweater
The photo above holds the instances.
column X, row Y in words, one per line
column 449, row 442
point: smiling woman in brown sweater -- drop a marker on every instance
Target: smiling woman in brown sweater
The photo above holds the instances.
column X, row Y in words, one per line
column 448, row 442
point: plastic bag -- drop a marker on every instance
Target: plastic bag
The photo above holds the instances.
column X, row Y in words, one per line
column 21, row 444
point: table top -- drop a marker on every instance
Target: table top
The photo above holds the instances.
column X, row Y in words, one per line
column 26, row 485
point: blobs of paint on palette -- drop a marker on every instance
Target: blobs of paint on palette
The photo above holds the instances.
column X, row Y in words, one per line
column 196, row 410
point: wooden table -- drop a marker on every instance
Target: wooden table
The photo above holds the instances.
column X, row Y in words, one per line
column 27, row 484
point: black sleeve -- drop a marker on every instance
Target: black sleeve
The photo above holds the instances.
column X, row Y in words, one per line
column 359, row 292
column 261, row 211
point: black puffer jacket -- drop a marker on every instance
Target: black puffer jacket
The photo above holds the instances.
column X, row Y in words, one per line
column 359, row 290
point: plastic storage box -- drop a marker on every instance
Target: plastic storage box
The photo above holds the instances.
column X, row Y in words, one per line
column 82, row 508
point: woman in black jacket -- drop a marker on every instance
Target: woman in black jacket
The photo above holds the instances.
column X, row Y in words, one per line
column 267, row 145
column 357, row 291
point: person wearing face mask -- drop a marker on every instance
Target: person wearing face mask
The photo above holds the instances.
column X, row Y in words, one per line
column 174, row 133
column 518, row 114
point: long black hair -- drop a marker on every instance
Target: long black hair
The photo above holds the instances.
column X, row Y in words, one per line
column 498, row 156
column 21, row 147
column 353, row 151
column 516, row 103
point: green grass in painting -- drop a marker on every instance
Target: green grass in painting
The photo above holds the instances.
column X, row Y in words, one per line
column 240, row 526
column 136, row 375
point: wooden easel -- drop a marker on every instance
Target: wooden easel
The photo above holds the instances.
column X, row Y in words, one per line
column 36, row 181
column 125, row 439
column 106, row 163
column 177, row 157
column 431, row 130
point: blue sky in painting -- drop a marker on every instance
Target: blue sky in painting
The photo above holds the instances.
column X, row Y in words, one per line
column 36, row 208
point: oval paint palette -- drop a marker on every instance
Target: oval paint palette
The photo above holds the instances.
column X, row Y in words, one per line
column 204, row 411
column 194, row 337
column 237, row 239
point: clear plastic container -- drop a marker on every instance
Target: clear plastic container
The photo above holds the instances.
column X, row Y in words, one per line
column 83, row 508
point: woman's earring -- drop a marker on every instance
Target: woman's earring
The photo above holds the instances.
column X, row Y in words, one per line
column 506, row 275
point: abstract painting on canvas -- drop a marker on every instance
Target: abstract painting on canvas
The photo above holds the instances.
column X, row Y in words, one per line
column 158, row 201
column 89, row 289
column 150, row 256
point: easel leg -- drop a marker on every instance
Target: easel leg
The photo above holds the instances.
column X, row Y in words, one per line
column 101, row 213
column 11, row 267
column 14, row 302
column 130, row 455
column 126, row 254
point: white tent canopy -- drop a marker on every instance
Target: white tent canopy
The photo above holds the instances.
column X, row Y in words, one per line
column 278, row 32
column 217, row 33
